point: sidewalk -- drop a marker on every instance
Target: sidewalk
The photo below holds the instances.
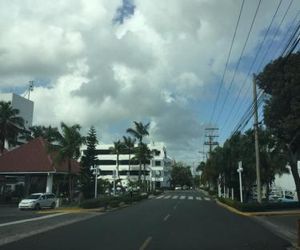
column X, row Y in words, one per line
column 282, row 223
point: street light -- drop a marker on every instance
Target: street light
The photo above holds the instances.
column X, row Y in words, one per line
column 96, row 180
column 240, row 170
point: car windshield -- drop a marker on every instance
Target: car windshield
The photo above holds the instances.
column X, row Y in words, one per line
column 33, row 196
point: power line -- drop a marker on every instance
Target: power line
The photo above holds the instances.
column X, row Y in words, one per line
column 253, row 62
column 270, row 45
column 275, row 34
column 227, row 61
column 239, row 61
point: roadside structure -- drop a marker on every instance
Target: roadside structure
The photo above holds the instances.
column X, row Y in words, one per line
column 157, row 170
column 33, row 160
column 24, row 105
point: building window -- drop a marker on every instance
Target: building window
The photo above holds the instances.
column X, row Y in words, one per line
column 157, row 163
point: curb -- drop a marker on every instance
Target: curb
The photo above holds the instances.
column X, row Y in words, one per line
column 249, row 214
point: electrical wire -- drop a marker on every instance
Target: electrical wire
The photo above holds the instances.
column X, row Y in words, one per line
column 253, row 62
column 240, row 59
column 227, row 61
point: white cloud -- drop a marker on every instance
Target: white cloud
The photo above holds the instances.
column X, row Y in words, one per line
column 158, row 66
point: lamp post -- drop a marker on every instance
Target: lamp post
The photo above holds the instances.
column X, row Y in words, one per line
column 240, row 170
column 96, row 181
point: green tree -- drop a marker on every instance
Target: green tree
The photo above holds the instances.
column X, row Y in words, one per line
column 143, row 154
column 67, row 148
column 117, row 149
column 139, row 131
column 48, row 133
column 11, row 125
column 280, row 80
column 181, row 175
column 129, row 145
column 89, row 161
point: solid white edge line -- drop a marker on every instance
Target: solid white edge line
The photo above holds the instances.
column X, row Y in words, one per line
column 146, row 243
column 31, row 219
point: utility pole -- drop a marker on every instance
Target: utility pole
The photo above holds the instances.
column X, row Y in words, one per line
column 255, row 124
column 210, row 135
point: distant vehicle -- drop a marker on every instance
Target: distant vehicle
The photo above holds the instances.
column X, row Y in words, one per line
column 178, row 187
column 185, row 187
column 38, row 201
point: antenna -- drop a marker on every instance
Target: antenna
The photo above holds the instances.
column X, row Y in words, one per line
column 30, row 88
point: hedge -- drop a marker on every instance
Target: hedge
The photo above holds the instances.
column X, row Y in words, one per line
column 112, row 201
column 260, row 207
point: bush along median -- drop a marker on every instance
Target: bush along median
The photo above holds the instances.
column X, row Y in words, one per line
column 112, row 201
column 260, row 207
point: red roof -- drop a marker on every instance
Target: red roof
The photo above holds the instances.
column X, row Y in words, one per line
column 33, row 157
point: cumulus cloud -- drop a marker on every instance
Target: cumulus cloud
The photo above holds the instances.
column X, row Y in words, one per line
column 107, row 63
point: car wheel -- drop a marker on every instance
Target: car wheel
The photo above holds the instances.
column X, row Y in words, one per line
column 37, row 206
column 53, row 205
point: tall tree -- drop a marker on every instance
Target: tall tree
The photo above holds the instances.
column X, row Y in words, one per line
column 181, row 175
column 139, row 131
column 89, row 161
column 117, row 149
column 48, row 133
column 280, row 80
column 11, row 125
column 129, row 145
column 143, row 154
column 67, row 148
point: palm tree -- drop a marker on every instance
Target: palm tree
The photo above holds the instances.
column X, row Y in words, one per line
column 11, row 124
column 47, row 133
column 129, row 144
column 139, row 132
column 117, row 149
column 67, row 147
column 143, row 154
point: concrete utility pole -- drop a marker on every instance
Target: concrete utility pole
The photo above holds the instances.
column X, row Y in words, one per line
column 210, row 135
column 240, row 170
column 256, row 143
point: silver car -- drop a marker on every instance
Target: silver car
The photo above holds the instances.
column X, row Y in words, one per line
column 38, row 201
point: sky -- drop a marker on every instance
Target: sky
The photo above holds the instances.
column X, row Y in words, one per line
column 108, row 63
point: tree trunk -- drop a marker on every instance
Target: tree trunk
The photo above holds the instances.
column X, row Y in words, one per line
column 294, row 170
column 70, row 181
column 140, row 170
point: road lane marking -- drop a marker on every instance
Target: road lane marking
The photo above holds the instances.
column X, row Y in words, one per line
column 31, row 219
column 198, row 198
column 167, row 217
column 167, row 197
column 207, row 199
column 175, row 197
column 159, row 197
column 146, row 243
column 191, row 197
column 182, row 197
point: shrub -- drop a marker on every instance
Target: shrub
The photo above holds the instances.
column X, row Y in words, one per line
column 95, row 203
column 114, row 203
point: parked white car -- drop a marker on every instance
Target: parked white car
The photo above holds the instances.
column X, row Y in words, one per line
column 38, row 201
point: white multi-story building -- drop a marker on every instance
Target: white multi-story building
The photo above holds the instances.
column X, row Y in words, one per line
column 24, row 105
column 156, row 173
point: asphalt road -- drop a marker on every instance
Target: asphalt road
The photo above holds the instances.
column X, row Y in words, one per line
column 176, row 220
column 12, row 213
